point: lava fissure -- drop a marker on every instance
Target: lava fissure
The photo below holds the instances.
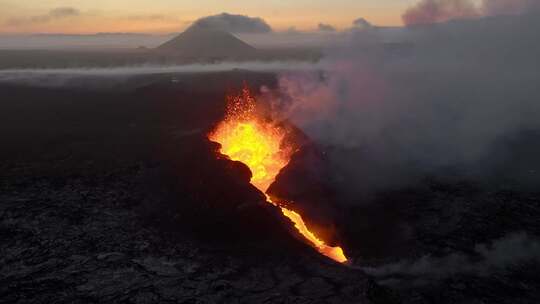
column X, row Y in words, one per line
column 257, row 143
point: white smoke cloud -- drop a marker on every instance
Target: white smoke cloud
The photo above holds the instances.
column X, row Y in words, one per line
column 506, row 252
column 433, row 11
column 445, row 100
column 503, row 7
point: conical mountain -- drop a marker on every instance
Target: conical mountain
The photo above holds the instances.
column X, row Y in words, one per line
column 200, row 42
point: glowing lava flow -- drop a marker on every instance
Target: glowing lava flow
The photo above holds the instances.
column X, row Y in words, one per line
column 246, row 138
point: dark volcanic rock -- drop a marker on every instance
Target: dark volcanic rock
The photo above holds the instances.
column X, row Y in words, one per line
column 110, row 255
column 303, row 185
column 114, row 195
column 119, row 197
column 197, row 188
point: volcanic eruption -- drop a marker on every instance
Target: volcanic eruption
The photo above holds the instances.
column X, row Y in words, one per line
column 260, row 143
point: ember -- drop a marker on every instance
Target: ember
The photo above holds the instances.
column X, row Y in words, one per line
column 246, row 137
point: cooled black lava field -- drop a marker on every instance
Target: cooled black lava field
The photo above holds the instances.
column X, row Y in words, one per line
column 112, row 193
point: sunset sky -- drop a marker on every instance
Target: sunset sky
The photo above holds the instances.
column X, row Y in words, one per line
column 164, row 16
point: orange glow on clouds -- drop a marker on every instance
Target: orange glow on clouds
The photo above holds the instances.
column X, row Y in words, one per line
column 165, row 16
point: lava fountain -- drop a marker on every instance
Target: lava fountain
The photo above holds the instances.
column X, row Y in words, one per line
column 258, row 143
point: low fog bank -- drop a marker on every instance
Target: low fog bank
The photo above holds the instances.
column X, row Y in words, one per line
column 512, row 250
column 288, row 39
column 463, row 100
column 110, row 77
column 91, row 41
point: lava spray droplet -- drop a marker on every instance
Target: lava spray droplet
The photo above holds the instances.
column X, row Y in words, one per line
column 257, row 143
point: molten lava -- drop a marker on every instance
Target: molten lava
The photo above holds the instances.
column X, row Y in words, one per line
column 246, row 137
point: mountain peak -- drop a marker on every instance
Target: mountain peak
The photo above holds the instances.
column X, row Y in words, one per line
column 201, row 42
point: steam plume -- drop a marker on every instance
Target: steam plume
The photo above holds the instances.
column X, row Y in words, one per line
column 502, row 7
column 511, row 250
column 432, row 11
column 451, row 102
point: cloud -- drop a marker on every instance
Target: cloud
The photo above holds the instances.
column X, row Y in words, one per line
column 432, row 11
column 234, row 23
column 361, row 23
column 54, row 14
column 323, row 27
column 503, row 7
column 62, row 12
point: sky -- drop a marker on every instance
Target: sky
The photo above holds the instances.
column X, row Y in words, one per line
column 165, row 16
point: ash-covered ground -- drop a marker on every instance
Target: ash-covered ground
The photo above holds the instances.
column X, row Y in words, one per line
column 112, row 194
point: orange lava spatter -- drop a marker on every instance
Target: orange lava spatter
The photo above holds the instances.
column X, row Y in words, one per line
column 247, row 138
